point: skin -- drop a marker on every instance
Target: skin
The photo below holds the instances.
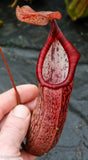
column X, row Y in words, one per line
column 12, row 127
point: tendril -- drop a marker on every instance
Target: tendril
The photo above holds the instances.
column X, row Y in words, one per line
column 10, row 76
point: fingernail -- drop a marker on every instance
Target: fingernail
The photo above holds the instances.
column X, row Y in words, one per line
column 21, row 111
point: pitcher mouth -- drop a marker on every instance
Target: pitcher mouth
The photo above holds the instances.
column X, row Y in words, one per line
column 72, row 56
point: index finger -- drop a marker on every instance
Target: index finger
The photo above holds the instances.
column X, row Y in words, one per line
column 8, row 101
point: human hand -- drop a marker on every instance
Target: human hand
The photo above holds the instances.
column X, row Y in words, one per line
column 14, row 121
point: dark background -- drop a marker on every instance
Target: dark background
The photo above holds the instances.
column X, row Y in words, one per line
column 22, row 43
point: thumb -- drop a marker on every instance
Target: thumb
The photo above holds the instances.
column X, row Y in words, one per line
column 14, row 130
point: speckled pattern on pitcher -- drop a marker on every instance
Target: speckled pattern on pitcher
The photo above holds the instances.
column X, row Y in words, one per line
column 55, row 71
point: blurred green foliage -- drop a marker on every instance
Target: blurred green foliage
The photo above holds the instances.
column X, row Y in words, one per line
column 77, row 8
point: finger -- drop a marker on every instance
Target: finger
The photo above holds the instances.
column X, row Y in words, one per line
column 8, row 99
column 14, row 130
column 27, row 156
column 31, row 105
column 3, row 121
